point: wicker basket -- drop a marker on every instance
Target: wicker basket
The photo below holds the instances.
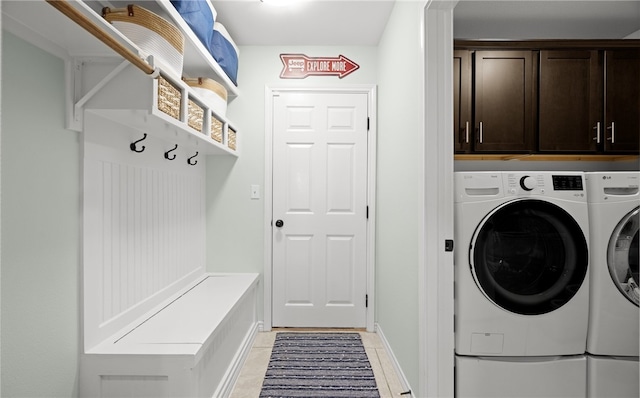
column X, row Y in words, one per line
column 231, row 138
column 152, row 33
column 213, row 93
column 216, row 129
column 195, row 115
column 169, row 98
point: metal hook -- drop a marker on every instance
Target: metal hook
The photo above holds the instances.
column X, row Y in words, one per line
column 195, row 161
column 166, row 154
column 132, row 146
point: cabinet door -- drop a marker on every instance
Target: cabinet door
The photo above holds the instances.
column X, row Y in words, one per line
column 504, row 116
column 570, row 101
column 462, row 100
column 622, row 117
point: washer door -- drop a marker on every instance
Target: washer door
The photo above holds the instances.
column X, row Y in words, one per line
column 529, row 256
column 622, row 256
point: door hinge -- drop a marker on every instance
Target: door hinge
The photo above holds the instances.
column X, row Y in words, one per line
column 366, row 301
column 367, row 212
column 367, row 124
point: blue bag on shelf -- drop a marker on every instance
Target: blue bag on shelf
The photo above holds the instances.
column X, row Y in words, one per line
column 199, row 16
column 224, row 52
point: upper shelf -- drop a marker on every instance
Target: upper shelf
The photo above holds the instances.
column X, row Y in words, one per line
column 39, row 22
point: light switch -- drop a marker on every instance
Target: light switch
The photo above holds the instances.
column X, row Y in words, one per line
column 255, row 191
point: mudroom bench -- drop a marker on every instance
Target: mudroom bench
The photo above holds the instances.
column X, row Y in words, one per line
column 190, row 345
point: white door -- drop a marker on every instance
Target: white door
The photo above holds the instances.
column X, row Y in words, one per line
column 319, row 209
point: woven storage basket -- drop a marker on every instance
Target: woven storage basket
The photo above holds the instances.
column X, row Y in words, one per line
column 152, row 33
column 216, row 129
column 195, row 115
column 213, row 93
column 231, row 136
column 169, row 98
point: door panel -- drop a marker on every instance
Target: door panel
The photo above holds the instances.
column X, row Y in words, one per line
column 462, row 100
column 570, row 100
column 622, row 101
column 504, row 101
column 320, row 194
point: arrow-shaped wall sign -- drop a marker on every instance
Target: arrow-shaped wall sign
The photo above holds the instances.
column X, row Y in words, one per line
column 299, row 66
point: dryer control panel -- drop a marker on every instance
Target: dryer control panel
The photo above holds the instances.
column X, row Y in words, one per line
column 567, row 183
column 557, row 184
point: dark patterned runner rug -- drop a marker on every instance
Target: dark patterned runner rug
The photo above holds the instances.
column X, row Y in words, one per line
column 319, row 365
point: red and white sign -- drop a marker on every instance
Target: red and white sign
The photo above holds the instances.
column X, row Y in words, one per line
column 299, row 66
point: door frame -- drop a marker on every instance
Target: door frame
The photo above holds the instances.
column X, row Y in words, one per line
column 270, row 92
column 435, row 291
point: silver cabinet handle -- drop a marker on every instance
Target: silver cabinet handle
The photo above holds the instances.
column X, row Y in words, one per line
column 613, row 132
column 481, row 135
column 466, row 133
column 597, row 129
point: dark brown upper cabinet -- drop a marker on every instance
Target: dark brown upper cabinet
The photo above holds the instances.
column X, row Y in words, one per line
column 462, row 122
column 589, row 101
column 621, row 132
column 547, row 97
column 504, row 101
column 570, row 101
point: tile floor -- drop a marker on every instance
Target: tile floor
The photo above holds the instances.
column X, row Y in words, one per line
column 249, row 382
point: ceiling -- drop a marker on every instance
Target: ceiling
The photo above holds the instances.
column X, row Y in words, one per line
column 362, row 22
column 305, row 22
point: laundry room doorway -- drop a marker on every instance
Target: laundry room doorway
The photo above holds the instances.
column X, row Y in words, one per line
column 320, row 166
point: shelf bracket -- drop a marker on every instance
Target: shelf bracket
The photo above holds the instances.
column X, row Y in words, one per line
column 83, row 99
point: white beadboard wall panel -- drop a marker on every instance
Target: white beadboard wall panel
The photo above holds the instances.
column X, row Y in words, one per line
column 144, row 225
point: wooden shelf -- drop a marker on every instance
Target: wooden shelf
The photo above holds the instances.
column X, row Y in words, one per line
column 548, row 157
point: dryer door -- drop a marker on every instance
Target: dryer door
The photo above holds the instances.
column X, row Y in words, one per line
column 622, row 256
column 529, row 256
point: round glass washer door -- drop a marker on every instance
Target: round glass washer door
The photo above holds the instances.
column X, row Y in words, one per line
column 529, row 256
column 622, row 256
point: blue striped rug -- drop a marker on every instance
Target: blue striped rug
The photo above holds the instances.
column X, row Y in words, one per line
column 319, row 365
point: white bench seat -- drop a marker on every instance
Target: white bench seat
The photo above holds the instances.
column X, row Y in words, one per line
column 187, row 347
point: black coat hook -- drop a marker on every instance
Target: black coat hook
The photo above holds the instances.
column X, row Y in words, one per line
column 194, row 162
column 132, row 146
column 166, row 154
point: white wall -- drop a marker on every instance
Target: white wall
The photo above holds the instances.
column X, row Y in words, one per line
column 399, row 169
column 235, row 223
column 40, row 337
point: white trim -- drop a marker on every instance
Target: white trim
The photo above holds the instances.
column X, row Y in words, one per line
column 228, row 382
column 436, row 334
column 270, row 92
column 371, row 199
column 394, row 361
column 268, row 205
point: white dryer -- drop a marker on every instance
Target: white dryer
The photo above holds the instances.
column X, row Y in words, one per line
column 614, row 201
column 613, row 334
column 521, row 264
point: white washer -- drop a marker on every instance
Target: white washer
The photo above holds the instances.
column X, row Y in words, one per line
column 614, row 201
column 613, row 334
column 521, row 263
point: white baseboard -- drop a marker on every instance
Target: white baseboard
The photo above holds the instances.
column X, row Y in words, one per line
column 233, row 372
column 394, row 361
